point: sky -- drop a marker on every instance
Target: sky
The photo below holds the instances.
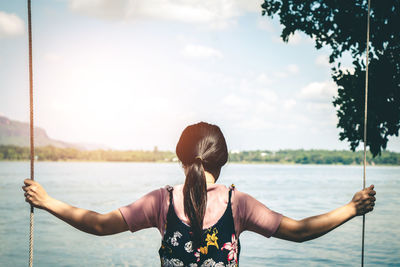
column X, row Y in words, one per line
column 133, row 74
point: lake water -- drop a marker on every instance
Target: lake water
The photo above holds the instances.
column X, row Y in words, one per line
column 293, row 190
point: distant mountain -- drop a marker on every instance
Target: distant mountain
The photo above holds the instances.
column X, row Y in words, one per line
column 17, row 133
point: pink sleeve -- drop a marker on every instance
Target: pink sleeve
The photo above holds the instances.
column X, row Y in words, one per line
column 254, row 216
column 146, row 212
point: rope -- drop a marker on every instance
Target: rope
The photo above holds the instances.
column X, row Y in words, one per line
column 32, row 147
column 365, row 125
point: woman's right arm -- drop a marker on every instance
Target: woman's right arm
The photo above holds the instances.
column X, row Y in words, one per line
column 316, row 226
column 85, row 220
column 256, row 217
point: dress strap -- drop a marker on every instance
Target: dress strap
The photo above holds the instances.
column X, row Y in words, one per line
column 170, row 189
column 231, row 188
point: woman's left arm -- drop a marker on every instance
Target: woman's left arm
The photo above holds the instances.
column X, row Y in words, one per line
column 316, row 226
column 85, row 220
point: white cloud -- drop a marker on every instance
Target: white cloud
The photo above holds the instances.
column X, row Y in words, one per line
column 280, row 74
column 249, row 5
column 252, row 105
column 319, row 106
column 268, row 96
column 255, row 123
column 322, row 60
column 201, row 52
column 11, row 25
column 318, row 91
column 293, row 68
column 289, row 103
column 216, row 14
column 265, row 24
column 277, row 39
column 263, row 79
column 234, row 100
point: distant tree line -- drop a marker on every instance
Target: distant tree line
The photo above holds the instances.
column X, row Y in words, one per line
column 51, row 153
column 343, row 157
column 301, row 156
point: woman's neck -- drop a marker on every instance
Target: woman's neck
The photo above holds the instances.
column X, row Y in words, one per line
column 209, row 178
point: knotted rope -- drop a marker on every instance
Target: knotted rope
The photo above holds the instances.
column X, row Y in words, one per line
column 365, row 125
column 32, row 145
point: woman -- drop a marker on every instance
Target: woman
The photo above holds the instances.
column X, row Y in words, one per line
column 200, row 221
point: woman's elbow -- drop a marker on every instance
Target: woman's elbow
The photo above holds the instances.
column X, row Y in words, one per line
column 292, row 230
column 299, row 238
column 304, row 234
column 303, row 238
column 95, row 230
column 103, row 228
column 99, row 225
column 301, row 234
column 110, row 224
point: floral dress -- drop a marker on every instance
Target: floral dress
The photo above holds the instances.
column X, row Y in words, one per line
column 219, row 247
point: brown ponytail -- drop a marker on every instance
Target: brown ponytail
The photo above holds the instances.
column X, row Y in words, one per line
column 201, row 147
column 195, row 198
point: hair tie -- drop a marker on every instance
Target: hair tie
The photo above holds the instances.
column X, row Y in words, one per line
column 199, row 157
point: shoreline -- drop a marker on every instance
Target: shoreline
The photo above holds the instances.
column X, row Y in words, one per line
column 229, row 162
column 287, row 157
